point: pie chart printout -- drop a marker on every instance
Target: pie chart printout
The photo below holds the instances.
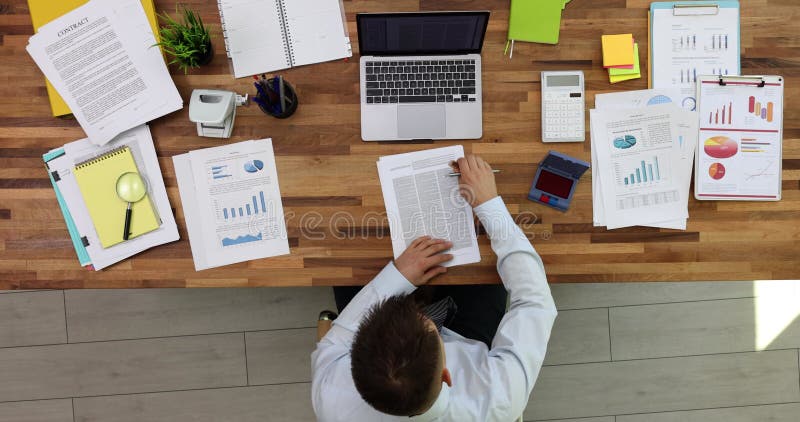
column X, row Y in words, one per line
column 720, row 147
column 716, row 171
column 624, row 142
column 253, row 166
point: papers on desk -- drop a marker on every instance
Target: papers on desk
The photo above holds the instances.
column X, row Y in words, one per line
column 101, row 59
column 232, row 203
column 642, row 149
column 688, row 39
column 60, row 164
column 422, row 199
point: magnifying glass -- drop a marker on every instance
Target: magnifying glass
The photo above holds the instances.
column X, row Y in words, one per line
column 131, row 189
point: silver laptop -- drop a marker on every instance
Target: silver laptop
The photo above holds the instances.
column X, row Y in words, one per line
column 421, row 75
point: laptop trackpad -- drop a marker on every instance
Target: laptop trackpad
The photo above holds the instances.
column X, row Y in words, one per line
column 421, row 121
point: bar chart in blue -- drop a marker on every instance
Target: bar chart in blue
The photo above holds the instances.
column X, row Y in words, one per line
column 645, row 172
column 255, row 207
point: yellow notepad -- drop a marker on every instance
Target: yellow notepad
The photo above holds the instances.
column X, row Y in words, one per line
column 97, row 180
column 44, row 11
column 617, row 50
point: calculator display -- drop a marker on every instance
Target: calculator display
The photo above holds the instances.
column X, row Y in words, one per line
column 563, row 80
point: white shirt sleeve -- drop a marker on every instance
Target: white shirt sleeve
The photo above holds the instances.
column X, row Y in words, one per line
column 336, row 343
column 519, row 347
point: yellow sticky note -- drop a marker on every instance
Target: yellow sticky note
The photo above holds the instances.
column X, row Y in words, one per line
column 618, row 75
column 617, row 50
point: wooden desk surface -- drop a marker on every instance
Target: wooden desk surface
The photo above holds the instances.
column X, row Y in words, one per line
column 331, row 195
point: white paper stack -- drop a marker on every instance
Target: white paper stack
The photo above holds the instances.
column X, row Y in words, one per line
column 643, row 147
column 60, row 164
column 423, row 199
column 232, row 203
column 102, row 60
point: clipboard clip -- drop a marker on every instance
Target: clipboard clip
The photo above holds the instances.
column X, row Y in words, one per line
column 723, row 80
column 684, row 9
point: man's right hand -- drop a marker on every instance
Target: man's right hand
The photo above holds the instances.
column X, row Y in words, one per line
column 476, row 180
column 420, row 262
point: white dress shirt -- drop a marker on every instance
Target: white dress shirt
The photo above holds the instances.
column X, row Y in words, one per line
column 488, row 384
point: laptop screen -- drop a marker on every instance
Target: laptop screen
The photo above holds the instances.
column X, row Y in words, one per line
column 398, row 34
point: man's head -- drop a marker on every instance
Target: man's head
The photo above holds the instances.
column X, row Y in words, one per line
column 397, row 357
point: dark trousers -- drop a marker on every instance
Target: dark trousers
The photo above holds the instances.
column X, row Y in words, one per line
column 480, row 307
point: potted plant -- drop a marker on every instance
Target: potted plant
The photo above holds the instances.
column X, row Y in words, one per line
column 188, row 42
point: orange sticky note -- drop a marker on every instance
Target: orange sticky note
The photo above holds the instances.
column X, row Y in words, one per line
column 617, row 50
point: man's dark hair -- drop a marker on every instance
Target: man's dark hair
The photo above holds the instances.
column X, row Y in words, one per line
column 395, row 357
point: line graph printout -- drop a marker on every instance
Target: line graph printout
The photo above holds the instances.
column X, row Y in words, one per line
column 232, row 203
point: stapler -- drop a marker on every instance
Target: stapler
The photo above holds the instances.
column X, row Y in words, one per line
column 214, row 111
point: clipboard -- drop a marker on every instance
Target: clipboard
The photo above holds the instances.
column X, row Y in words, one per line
column 713, row 30
column 739, row 154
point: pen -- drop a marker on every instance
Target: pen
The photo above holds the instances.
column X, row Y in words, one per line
column 282, row 93
column 459, row 174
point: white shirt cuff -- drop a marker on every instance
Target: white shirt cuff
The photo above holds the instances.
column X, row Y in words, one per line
column 390, row 281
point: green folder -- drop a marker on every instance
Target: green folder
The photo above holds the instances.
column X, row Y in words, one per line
column 535, row 20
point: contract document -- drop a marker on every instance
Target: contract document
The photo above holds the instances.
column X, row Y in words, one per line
column 101, row 59
column 232, row 203
column 423, row 199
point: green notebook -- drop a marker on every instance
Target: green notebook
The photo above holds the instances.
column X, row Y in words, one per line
column 535, row 20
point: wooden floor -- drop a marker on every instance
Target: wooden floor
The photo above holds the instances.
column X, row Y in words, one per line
column 635, row 352
column 329, row 180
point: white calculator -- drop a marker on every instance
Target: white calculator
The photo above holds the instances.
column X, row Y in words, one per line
column 563, row 106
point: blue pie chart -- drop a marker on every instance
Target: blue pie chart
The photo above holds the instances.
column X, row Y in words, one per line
column 253, row 166
column 625, row 142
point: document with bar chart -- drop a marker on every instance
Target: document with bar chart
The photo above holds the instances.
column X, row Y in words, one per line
column 740, row 143
column 642, row 177
column 232, row 203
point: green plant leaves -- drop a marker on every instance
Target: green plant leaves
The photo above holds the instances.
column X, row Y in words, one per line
column 188, row 42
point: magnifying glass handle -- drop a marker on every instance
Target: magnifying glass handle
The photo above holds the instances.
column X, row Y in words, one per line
column 126, row 234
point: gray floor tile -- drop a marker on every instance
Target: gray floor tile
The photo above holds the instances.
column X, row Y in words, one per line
column 692, row 328
column 274, row 403
column 579, row 336
column 37, row 411
column 127, row 314
column 280, row 356
column 604, row 295
column 118, row 367
column 660, row 385
column 599, row 419
column 32, row 318
column 772, row 413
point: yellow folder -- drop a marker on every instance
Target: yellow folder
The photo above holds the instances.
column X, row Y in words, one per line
column 97, row 180
column 44, row 11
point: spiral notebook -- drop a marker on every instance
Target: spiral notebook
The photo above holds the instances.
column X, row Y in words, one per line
column 266, row 35
column 97, row 180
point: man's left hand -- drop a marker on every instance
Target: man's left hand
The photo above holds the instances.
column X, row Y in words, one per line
column 422, row 260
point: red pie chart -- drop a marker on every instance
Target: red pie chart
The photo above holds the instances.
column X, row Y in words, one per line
column 720, row 147
column 716, row 171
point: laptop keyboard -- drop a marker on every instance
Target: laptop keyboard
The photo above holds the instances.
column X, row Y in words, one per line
column 420, row 81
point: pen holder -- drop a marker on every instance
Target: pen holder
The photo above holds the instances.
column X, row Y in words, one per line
column 276, row 97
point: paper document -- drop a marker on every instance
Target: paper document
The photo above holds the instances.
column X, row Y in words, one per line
column 422, row 199
column 232, row 203
column 684, row 143
column 101, row 59
column 687, row 42
column 741, row 125
column 141, row 145
column 642, row 178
